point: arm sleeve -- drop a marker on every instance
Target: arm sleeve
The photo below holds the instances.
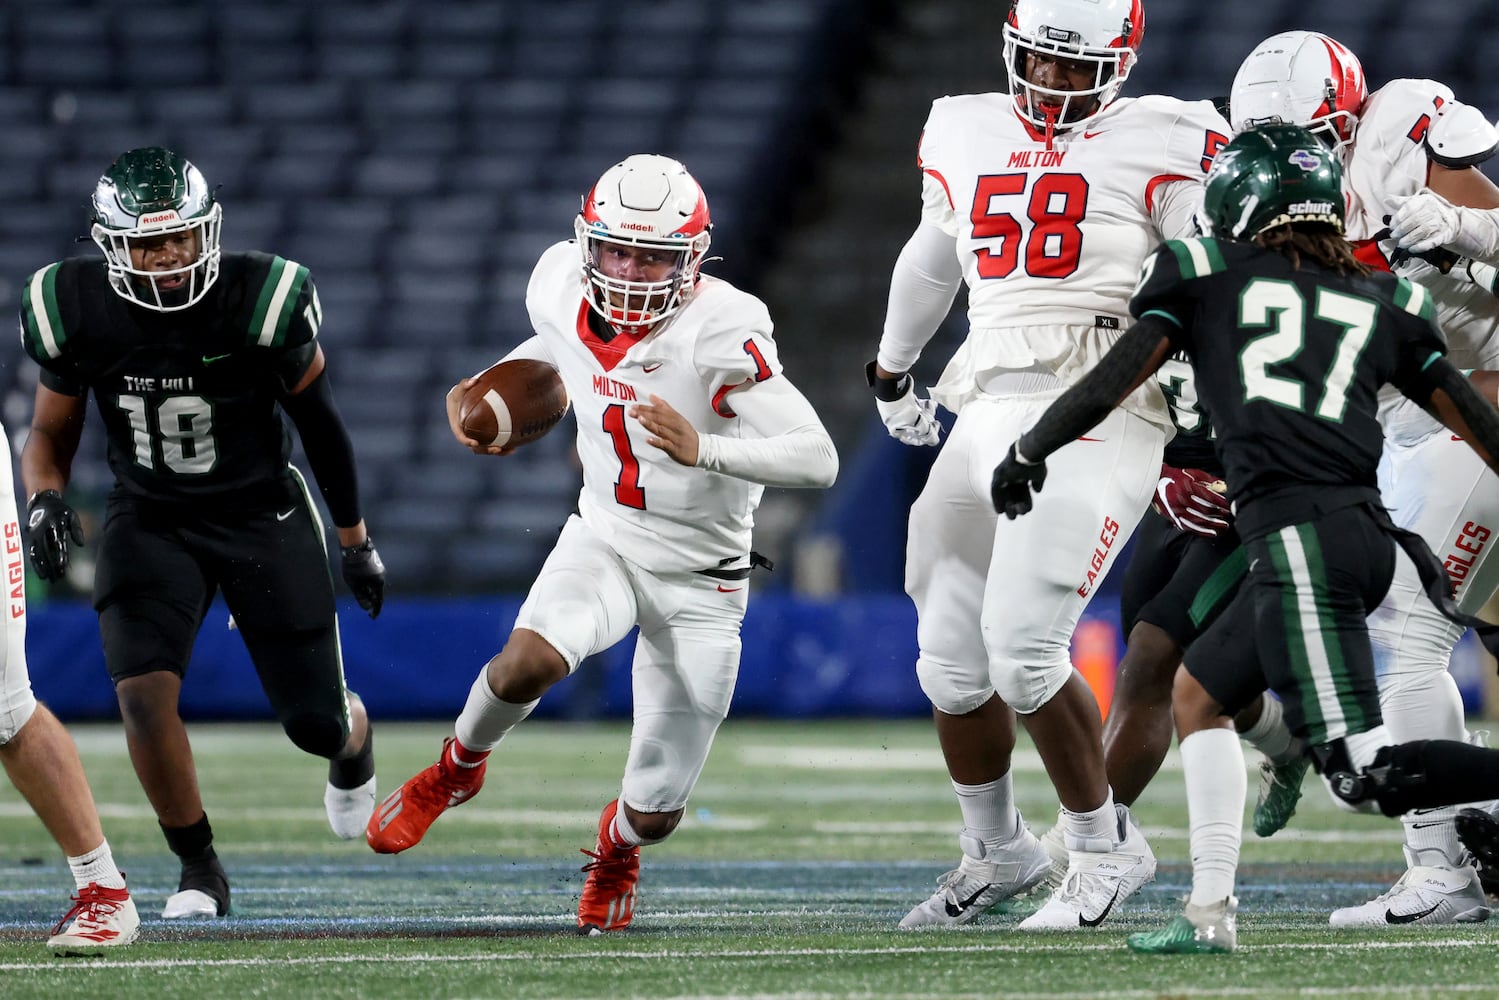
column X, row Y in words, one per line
column 1129, row 362
column 329, row 450
column 926, row 278
column 793, row 448
column 1482, row 432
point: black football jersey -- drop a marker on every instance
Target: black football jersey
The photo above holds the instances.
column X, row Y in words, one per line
column 1194, row 446
column 188, row 398
column 1289, row 361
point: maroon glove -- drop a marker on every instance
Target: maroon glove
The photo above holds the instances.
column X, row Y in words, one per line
column 1191, row 500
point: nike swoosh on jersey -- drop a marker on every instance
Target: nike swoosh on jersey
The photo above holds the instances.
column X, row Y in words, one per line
column 1091, row 135
column 728, row 590
column 209, row 359
column 283, row 517
column 1408, row 918
column 961, row 907
column 1085, row 922
column 1093, row 440
column 650, row 368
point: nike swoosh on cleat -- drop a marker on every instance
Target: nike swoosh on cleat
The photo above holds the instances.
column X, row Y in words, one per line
column 1085, row 922
column 1391, row 917
column 960, row 908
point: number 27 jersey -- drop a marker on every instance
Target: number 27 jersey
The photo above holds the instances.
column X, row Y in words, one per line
column 658, row 514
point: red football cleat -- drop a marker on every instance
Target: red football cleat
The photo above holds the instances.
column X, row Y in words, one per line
column 608, row 900
column 402, row 819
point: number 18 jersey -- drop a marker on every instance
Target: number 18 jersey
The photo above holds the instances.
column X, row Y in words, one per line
column 656, row 513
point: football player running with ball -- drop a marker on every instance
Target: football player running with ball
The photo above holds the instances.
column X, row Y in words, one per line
column 1410, row 153
column 189, row 353
column 1044, row 200
column 1291, row 338
column 684, row 416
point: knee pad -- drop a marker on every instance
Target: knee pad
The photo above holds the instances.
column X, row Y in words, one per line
column 1393, row 783
column 320, row 735
column 951, row 689
column 1026, row 687
column 16, row 709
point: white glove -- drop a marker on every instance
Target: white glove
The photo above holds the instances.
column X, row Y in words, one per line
column 1423, row 222
column 1426, row 220
column 907, row 417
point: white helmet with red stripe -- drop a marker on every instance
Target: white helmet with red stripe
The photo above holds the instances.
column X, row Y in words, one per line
column 1106, row 33
column 651, row 202
column 1300, row 78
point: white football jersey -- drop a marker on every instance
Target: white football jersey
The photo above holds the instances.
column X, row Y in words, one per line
column 659, row 515
column 1388, row 164
column 1051, row 238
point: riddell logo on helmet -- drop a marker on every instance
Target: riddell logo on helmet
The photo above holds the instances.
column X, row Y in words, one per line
column 159, row 217
column 637, row 227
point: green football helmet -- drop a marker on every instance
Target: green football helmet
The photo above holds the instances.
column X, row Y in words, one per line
column 1270, row 176
column 150, row 193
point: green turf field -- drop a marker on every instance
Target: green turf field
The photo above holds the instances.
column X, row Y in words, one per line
column 803, row 847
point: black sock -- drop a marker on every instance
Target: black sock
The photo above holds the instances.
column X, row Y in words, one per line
column 354, row 771
column 191, row 843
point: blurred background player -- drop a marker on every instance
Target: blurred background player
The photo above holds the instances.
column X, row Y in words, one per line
column 1044, row 200
column 42, row 762
column 1291, row 338
column 662, row 537
column 1409, row 147
column 189, row 353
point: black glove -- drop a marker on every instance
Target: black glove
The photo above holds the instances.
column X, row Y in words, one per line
column 1013, row 482
column 50, row 522
column 365, row 575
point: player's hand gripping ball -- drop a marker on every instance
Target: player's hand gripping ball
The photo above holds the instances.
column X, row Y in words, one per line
column 513, row 403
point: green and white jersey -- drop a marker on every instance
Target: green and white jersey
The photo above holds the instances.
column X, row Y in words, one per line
column 1289, row 361
column 189, row 398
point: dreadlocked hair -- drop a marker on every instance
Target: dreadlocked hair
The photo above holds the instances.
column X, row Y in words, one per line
column 1318, row 240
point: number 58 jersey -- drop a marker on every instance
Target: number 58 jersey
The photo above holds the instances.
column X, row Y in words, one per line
column 656, row 513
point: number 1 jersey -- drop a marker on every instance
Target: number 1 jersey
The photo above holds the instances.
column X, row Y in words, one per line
column 656, row 513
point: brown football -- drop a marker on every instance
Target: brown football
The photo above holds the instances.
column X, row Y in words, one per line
column 513, row 403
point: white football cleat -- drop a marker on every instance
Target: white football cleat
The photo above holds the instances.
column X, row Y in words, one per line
column 100, row 918
column 349, row 809
column 1096, row 880
column 1425, row 895
column 977, row 884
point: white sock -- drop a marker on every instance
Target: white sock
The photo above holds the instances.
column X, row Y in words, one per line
column 622, row 833
column 1094, row 830
column 989, row 814
column 485, row 718
column 1213, row 764
column 98, row 866
column 1270, row 736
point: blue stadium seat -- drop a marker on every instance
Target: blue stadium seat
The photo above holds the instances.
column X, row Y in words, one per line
column 456, row 59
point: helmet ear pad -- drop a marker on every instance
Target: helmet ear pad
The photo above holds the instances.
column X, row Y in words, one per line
column 1271, row 176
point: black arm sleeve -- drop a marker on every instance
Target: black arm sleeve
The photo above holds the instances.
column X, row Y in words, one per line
column 1477, row 412
column 1129, row 362
column 329, row 450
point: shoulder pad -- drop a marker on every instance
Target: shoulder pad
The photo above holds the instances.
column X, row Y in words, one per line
column 1460, row 136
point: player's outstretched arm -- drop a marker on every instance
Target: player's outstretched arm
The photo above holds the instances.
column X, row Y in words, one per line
column 1457, row 404
column 1129, row 362
column 791, row 449
column 330, row 452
